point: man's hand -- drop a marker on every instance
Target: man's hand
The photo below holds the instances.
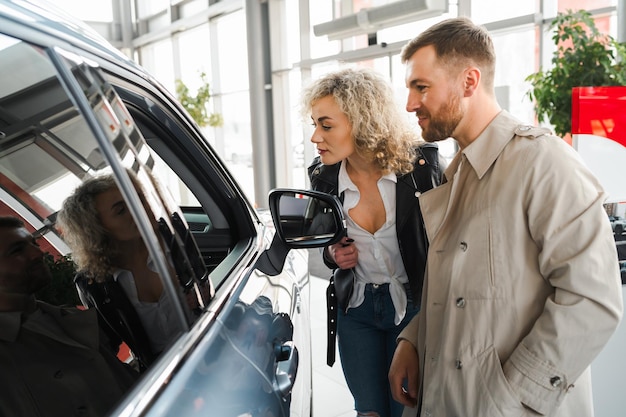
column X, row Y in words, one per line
column 404, row 367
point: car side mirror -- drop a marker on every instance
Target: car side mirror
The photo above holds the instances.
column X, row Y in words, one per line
column 303, row 219
column 306, row 219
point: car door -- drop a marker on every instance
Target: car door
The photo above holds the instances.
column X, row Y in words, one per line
column 69, row 114
column 267, row 314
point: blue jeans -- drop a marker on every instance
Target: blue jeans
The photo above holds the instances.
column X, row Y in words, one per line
column 367, row 340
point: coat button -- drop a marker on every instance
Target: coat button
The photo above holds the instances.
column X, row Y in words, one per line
column 458, row 364
column 555, row 381
column 463, row 246
column 421, row 162
column 460, row 302
column 417, row 194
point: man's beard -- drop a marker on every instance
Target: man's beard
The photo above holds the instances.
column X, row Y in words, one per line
column 38, row 276
column 443, row 125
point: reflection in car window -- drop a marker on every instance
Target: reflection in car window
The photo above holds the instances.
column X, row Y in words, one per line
column 48, row 149
column 208, row 214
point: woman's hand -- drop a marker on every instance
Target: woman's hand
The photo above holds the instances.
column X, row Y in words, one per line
column 344, row 254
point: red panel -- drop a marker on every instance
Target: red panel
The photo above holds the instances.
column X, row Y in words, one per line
column 40, row 209
column 600, row 111
column 24, row 196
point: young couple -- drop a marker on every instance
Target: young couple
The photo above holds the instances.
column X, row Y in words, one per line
column 478, row 290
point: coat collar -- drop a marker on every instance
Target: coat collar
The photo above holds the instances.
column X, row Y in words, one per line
column 80, row 326
column 485, row 149
column 344, row 182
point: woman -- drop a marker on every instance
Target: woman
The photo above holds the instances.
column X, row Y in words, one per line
column 116, row 275
column 375, row 164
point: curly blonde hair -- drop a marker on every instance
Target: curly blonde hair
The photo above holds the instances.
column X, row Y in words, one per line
column 93, row 250
column 380, row 131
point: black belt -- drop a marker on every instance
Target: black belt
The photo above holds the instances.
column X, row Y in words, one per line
column 331, row 322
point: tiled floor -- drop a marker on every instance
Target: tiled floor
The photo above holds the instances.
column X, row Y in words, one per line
column 331, row 397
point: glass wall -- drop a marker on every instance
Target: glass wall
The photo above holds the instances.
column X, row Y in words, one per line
column 216, row 48
column 231, row 57
column 157, row 58
column 194, row 55
column 148, row 9
column 180, row 39
column 100, row 11
column 486, row 11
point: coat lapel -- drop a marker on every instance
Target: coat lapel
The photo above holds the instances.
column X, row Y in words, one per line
column 81, row 326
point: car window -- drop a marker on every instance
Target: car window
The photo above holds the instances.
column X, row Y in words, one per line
column 219, row 216
column 63, row 127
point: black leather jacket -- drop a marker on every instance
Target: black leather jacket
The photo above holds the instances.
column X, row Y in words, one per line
column 117, row 316
column 427, row 173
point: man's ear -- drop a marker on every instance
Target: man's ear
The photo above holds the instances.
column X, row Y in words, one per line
column 471, row 80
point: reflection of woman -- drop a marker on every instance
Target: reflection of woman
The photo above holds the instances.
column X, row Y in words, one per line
column 116, row 275
column 370, row 159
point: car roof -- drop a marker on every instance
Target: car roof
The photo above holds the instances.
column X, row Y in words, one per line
column 43, row 23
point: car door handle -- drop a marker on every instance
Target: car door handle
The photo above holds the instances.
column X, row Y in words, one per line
column 287, row 366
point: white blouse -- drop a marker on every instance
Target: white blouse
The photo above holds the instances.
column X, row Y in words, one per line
column 159, row 319
column 379, row 253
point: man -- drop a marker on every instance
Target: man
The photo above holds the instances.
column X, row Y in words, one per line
column 50, row 360
column 522, row 288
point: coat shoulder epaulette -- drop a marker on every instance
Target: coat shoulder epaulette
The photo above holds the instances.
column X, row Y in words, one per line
column 531, row 132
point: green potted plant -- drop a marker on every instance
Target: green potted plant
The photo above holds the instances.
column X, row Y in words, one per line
column 196, row 105
column 584, row 57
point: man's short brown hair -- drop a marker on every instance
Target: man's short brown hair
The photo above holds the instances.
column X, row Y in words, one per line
column 457, row 42
column 11, row 222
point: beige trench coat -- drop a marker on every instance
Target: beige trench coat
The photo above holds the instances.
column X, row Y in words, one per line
column 523, row 287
